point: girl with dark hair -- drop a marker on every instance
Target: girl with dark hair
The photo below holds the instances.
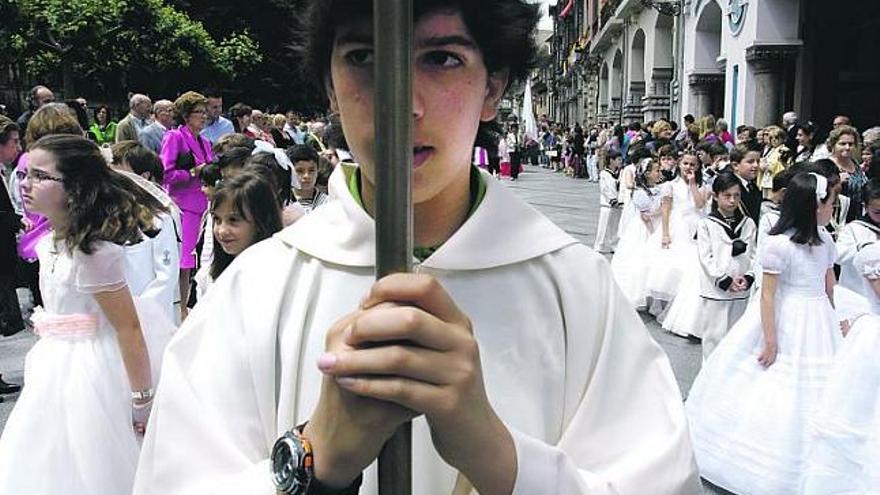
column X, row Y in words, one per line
column 89, row 381
column 751, row 404
column 726, row 247
column 672, row 245
column 507, row 402
column 630, row 262
column 103, row 130
column 245, row 211
column 276, row 167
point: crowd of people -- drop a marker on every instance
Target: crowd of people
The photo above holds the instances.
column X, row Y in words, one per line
column 209, row 321
column 763, row 247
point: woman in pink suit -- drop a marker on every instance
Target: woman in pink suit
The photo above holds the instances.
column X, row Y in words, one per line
column 184, row 153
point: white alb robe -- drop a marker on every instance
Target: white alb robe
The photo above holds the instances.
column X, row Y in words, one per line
column 589, row 398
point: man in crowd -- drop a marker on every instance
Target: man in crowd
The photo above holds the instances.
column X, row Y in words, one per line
column 163, row 118
column 37, row 97
column 131, row 126
column 789, row 123
column 217, row 125
column 292, row 130
column 10, row 223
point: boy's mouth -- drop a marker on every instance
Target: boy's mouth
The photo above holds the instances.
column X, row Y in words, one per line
column 421, row 154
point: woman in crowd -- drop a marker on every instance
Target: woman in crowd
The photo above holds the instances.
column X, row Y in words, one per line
column 775, row 161
column 89, row 385
column 241, row 119
column 843, row 142
column 103, row 130
column 805, row 146
column 751, row 403
column 184, row 153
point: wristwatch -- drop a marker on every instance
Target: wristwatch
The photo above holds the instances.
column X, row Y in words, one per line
column 293, row 469
column 292, row 463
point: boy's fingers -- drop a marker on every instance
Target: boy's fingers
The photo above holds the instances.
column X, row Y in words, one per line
column 419, row 290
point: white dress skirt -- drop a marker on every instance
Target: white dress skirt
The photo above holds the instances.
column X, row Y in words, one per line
column 670, row 264
column 71, row 428
column 749, row 424
column 631, row 259
column 848, row 416
column 684, row 316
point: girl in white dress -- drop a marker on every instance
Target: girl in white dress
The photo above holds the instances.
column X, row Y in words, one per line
column 850, row 410
column 726, row 245
column 609, row 208
column 751, row 403
column 88, row 381
column 683, row 200
column 631, row 259
column 626, row 186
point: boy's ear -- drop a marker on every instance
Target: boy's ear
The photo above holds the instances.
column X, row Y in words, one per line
column 331, row 93
column 496, row 85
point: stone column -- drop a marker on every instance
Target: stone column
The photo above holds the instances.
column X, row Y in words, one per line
column 702, row 88
column 655, row 104
column 767, row 62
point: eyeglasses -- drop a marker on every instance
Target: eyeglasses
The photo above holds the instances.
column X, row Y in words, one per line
column 36, row 177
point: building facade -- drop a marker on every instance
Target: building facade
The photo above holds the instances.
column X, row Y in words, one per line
column 745, row 60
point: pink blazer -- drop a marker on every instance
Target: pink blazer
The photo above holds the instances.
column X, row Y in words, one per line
column 183, row 188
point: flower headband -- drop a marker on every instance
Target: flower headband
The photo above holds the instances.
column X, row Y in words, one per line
column 280, row 157
column 821, row 187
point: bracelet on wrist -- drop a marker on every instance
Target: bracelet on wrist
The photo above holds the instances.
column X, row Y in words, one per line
column 144, row 395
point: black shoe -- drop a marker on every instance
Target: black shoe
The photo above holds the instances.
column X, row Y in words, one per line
column 8, row 388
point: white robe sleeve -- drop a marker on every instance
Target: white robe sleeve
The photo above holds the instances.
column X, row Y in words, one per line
column 625, row 430
column 211, row 433
column 164, row 288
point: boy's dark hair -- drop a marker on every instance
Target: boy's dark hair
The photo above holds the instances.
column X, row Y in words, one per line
column 234, row 158
column 7, row 127
column 667, row 150
column 142, row 159
column 253, row 198
column 871, row 191
column 799, row 210
column 724, row 181
column 739, row 152
column 635, row 126
column 716, row 149
column 609, row 156
column 637, row 152
column 781, row 180
column 302, row 153
column 689, row 119
column 333, row 136
column 280, row 177
column 210, row 175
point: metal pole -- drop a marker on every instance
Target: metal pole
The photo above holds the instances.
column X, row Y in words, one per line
column 393, row 52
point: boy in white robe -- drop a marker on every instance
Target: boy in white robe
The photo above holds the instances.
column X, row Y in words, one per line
column 565, row 393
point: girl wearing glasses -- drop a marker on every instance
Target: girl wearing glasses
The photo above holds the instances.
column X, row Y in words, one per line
column 89, row 388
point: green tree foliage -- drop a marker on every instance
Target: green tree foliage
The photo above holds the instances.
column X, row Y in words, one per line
column 107, row 47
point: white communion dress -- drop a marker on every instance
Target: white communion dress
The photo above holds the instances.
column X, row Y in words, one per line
column 848, row 423
column 71, row 429
column 631, row 260
column 749, row 424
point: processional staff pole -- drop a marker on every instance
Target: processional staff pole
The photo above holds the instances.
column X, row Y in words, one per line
column 393, row 48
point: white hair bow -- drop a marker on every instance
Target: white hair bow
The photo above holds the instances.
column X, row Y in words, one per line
column 280, row 157
column 821, row 187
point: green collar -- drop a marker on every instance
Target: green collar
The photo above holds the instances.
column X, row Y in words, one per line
column 477, row 190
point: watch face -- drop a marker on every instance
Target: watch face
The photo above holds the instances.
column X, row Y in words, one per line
column 285, row 461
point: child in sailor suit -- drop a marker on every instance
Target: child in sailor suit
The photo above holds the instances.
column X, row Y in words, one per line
column 726, row 246
column 609, row 208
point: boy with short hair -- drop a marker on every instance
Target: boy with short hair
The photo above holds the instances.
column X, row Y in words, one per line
column 744, row 161
column 563, row 393
column 305, row 165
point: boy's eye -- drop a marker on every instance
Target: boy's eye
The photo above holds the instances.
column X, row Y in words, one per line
column 442, row 59
column 360, row 57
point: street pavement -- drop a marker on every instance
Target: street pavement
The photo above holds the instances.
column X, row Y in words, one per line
column 573, row 204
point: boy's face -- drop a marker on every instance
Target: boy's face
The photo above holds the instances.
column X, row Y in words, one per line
column 667, row 162
column 748, row 167
column 728, row 199
column 307, row 172
column 872, row 209
column 452, row 93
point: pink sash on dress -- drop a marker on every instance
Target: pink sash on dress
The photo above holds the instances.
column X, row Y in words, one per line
column 72, row 325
